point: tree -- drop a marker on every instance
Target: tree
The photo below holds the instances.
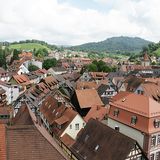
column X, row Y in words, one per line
column 92, row 68
column 32, row 67
column 42, row 52
column 15, row 54
column 48, row 63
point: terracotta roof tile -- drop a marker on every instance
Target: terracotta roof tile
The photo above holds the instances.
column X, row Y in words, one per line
column 139, row 104
column 3, row 152
column 96, row 112
column 88, row 98
column 67, row 140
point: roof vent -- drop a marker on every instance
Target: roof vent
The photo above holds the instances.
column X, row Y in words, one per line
column 123, row 100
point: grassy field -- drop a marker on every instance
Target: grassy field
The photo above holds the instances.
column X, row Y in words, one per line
column 28, row 46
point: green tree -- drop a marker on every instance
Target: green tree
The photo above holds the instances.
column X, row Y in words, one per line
column 15, row 54
column 48, row 63
column 32, row 67
column 92, row 67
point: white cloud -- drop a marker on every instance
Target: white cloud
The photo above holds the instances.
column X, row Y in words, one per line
column 61, row 23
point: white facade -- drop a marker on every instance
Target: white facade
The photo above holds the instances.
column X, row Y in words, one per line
column 12, row 92
column 128, row 131
column 72, row 130
column 22, row 70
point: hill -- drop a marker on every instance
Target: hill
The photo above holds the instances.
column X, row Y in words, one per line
column 114, row 45
column 28, row 46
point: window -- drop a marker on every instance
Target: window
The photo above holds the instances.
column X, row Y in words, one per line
column 152, row 157
column 116, row 112
column 77, row 126
column 158, row 140
column 153, row 141
column 133, row 120
column 157, row 155
column 70, row 126
column 156, row 123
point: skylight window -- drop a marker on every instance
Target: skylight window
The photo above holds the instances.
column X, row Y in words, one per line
column 97, row 147
column 86, row 138
column 49, row 106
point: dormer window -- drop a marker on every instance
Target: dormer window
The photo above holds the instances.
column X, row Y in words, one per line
column 116, row 112
column 156, row 123
column 133, row 120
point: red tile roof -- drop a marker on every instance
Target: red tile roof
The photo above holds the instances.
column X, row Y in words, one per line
column 139, row 104
column 29, row 141
column 88, row 98
column 20, row 79
column 3, row 152
column 144, row 108
column 96, row 112
column 67, row 140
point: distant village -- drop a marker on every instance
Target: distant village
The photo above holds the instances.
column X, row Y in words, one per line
column 64, row 113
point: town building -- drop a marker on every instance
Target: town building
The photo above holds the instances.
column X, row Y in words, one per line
column 137, row 116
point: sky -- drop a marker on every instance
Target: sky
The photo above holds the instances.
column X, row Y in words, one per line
column 74, row 22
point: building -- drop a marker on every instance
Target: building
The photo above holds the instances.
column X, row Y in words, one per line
column 137, row 116
column 4, row 75
column 12, row 91
column 85, row 99
column 60, row 118
column 146, row 60
column 27, row 139
column 100, row 142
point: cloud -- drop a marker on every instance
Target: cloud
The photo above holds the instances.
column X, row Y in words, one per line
column 63, row 23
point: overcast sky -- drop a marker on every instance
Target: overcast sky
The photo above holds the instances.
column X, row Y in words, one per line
column 72, row 22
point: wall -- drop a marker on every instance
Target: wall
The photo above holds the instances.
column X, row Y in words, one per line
column 73, row 132
column 128, row 131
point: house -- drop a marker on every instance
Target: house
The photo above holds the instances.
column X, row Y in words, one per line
column 25, row 128
column 131, row 83
column 60, row 119
column 18, row 67
column 2, row 97
column 137, row 116
column 100, row 142
column 97, row 112
column 4, row 75
column 57, row 70
column 21, row 80
column 106, row 91
column 5, row 110
column 85, row 99
column 93, row 76
column 90, row 84
column 41, row 73
column 12, row 91
column 145, row 86
column 146, row 60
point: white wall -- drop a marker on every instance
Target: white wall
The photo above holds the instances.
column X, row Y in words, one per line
column 22, row 69
column 37, row 63
column 128, row 131
column 73, row 132
column 11, row 93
